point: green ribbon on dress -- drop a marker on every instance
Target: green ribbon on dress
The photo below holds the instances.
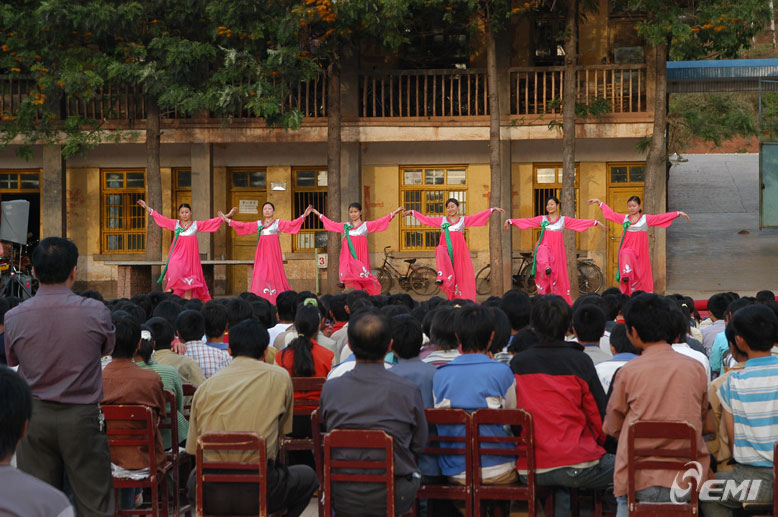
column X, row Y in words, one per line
column 259, row 231
column 178, row 232
column 448, row 241
column 626, row 225
column 543, row 225
column 347, row 228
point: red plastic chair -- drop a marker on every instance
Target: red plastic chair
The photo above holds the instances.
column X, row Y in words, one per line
column 520, row 446
column 189, row 391
column 671, row 447
column 171, row 423
column 135, row 426
column 358, row 439
column 303, row 407
column 460, row 446
column 244, row 472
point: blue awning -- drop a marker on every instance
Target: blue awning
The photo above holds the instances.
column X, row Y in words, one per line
column 724, row 75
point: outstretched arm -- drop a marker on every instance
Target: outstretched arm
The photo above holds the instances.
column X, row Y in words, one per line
column 608, row 213
column 664, row 220
column 481, row 218
column 292, row 226
column 330, row 225
column 524, row 224
column 382, row 224
column 423, row 219
column 161, row 220
column 579, row 225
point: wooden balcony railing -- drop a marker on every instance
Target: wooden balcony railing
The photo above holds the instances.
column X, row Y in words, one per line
column 13, row 91
column 538, row 90
column 308, row 97
column 424, row 93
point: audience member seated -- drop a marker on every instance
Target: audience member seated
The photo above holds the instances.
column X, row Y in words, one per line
column 557, row 383
column 250, row 395
column 589, row 327
column 659, row 385
column 22, row 494
column 216, row 320
column 681, row 333
column 720, row 345
column 751, row 395
column 164, row 332
column 443, row 337
column 717, row 306
column 370, row 397
column 622, row 351
column 190, row 329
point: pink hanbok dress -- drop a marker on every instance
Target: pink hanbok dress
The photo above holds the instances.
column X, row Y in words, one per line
column 550, row 251
column 634, row 258
column 457, row 277
column 269, row 278
column 354, row 272
column 184, row 271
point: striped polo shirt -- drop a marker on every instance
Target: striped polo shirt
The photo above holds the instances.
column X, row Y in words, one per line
column 751, row 396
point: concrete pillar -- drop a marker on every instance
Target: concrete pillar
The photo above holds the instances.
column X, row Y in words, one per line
column 53, row 190
column 202, row 194
column 503, row 47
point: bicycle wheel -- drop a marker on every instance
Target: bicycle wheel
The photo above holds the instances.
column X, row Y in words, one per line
column 385, row 279
column 483, row 280
column 422, row 281
column 589, row 278
column 528, row 280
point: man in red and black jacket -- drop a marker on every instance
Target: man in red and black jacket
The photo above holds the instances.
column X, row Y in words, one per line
column 558, row 384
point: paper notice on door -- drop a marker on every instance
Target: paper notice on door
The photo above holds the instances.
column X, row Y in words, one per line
column 248, row 206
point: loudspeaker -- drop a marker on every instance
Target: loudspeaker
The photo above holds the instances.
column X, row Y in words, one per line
column 13, row 225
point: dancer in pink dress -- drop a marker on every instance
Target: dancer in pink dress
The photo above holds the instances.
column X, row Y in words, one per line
column 452, row 258
column 269, row 277
column 550, row 264
column 354, row 267
column 634, row 272
column 183, row 270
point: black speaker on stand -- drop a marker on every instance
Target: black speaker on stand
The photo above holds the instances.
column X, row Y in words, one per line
column 13, row 228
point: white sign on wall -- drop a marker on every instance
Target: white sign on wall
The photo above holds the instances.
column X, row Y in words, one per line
column 248, row 206
column 321, row 260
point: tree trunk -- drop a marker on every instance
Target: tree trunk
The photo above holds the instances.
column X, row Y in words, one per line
column 333, row 173
column 495, row 239
column 655, row 189
column 154, row 183
column 568, row 141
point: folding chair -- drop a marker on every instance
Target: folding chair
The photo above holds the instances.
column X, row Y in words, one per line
column 171, row 423
column 358, row 439
column 239, row 471
column 662, row 452
column 189, row 391
column 302, row 407
column 135, row 426
column 458, row 445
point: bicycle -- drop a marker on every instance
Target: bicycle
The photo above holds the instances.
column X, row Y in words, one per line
column 590, row 277
column 419, row 279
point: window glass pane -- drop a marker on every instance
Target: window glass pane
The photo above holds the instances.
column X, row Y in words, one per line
column 546, row 175
column 434, row 176
column 257, row 179
column 9, row 181
column 619, row 175
column 30, row 181
column 414, row 239
column 431, row 239
column 457, row 177
column 435, row 202
column 135, row 180
column 240, row 179
column 637, row 173
column 114, row 242
column 412, row 177
column 306, row 178
column 114, row 180
column 184, row 179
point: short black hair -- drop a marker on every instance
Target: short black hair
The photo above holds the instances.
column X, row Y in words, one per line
column 550, row 317
column 359, row 305
column 407, row 336
column 54, row 259
column 169, row 310
column 765, row 295
column 524, row 339
column 216, row 319
column 651, row 316
column 620, row 342
column 249, row 338
column 402, row 299
column 443, row 329
column 238, row 310
column 190, row 325
column 717, row 304
column 338, row 307
column 517, row 306
column 369, row 335
column 473, row 328
column 286, row 303
column 589, row 323
column 163, row 332
column 391, row 311
column 738, row 304
column 757, row 325
column 501, row 327
column 146, row 348
column 353, row 296
column 127, row 338
column 15, row 411
column 263, row 312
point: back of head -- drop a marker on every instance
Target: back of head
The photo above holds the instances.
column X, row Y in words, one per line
column 338, row 307
column 474, row 328
column 502, row 329
column 146, row 347
column 738, row 304
column 717, row 304
column 550, row 317
column 651, row 316
column 286, row 303
column 524, row 339
column 167, row 309
column 443, row 329
column 307, row 320
column 54, row 259
column 757, row 325
column 216, row 319
column 679, row 323
column 249, row 338
column 238, row 310
column 353, row 296
column 394, row 310
column 620, row 341
column 518, row 307
column 402, row 299
column 589, row 323
column 765, row 296
column 263, row 312
column 406, row 335
column 162, row 331
column 613, row 303
column 359, row 305
column 15, row 411
column 369, row 335
column 127, row 338
column 190, row 325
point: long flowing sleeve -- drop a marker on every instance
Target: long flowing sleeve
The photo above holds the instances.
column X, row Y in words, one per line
column 209, row 225
column 579, row 225
column 526, row 223
column 610, row 215
column 429, row 221
column 662, row 220
column 291, row 226
column 379, row 225
column 479, row 219
column 330, row 225
column 244, row 227
column 163, row 222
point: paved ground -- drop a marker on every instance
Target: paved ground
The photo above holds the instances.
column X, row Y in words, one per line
column 722, row 248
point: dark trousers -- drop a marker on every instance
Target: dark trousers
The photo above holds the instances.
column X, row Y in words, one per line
column 369, row 499
column 65, row 439
column 288, row 488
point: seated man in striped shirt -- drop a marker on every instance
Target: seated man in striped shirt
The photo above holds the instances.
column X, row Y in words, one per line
column 749, row 398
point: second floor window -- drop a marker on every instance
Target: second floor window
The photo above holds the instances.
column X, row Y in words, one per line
column 122, row 220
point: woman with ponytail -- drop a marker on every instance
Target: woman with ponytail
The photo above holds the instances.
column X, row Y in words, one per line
column 304, row 357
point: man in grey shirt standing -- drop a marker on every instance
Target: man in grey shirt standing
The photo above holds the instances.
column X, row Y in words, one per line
column 57, row 338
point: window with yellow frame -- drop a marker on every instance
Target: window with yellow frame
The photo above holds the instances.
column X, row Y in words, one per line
column 309, row 187
column 122, row 220
column 20, row 181
column 426, row 189
column 546, row 182
column 628, row 173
